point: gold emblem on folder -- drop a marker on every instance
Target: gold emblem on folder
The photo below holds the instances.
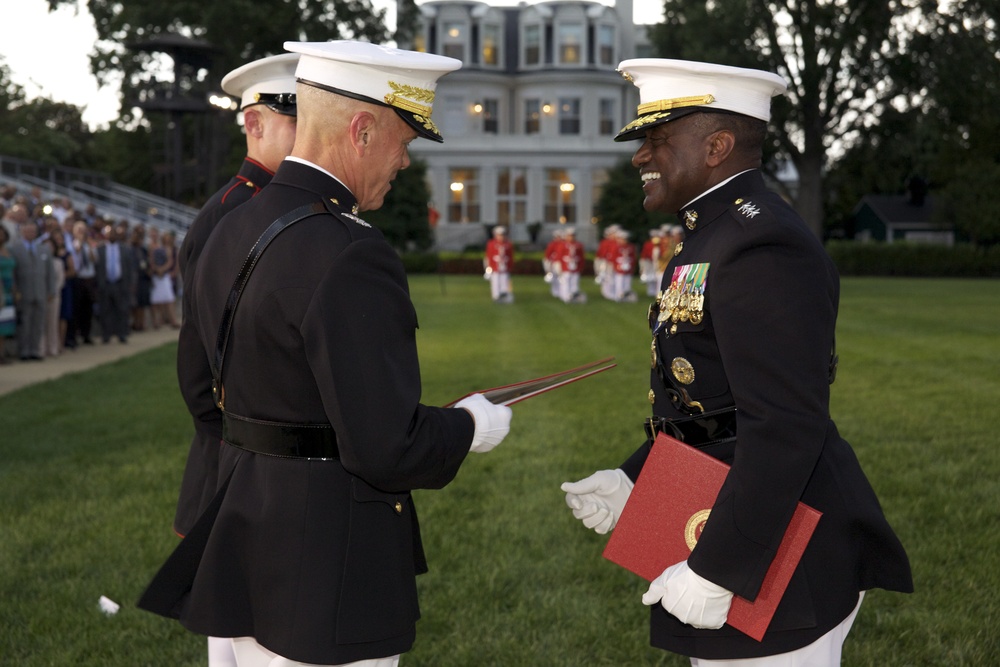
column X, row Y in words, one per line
column 692, row 531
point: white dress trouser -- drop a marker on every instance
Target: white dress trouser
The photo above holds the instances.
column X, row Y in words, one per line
column 251, row 654
column 824, row 652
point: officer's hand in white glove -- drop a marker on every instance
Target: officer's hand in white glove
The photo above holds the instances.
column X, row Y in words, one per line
column 598, row 500
column 492, row 422
column 691, row 598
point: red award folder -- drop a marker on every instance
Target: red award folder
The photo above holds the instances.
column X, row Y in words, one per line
column 509, row 394
column 667, row 509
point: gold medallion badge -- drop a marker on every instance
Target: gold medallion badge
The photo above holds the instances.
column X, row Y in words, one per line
column 682, row 370
column 692, row 531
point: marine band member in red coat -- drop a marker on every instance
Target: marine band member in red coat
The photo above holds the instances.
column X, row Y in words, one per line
column 569, row 259
column 498, row 262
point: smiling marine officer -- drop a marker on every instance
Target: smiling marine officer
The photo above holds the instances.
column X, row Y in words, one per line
column 741, row 367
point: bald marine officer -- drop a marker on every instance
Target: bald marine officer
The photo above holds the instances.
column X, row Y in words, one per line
column 309, row 552
column 266, row 90
column 742, row 333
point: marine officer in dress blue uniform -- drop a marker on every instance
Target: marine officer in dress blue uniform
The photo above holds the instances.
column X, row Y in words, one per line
column 741, row 365
column 309, row 551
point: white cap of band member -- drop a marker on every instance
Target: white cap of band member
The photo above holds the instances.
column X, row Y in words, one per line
column 382, row 75
column 672, row 89
column 269, row 81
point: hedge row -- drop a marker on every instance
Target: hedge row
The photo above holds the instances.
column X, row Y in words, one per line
column 915, row 260
column 852, row 259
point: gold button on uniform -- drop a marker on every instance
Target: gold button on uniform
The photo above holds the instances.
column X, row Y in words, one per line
column 678, row 248
column 652, row 396
column 399, row 508
column 682, row 370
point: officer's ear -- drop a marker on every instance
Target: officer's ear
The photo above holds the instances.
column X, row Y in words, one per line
column 362, row 131
column 720, row 146
column 253, row 122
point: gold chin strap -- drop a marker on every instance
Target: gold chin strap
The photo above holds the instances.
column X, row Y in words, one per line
column 674, row 103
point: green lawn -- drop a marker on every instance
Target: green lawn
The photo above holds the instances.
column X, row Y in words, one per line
column 90, row 466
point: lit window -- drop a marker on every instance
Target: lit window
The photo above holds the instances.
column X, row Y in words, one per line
column 569, row 115
column 453, row 40
column 463, row 203
column 532, row 45
column 607, row 119
column 606, row 45
column 491, row 45
column 491, row 116
column 570, row 40
column 512, row 195
column 560, row 197
column 532, row 116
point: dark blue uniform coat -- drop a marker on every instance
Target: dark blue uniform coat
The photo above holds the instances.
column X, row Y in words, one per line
column 201, row 473
column 316, row 559
column 764, row 345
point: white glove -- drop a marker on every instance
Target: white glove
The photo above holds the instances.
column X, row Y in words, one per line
column 599, row 499
column 492, row 422
column 691, row 598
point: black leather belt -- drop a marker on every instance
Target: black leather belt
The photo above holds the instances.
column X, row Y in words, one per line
column 705, row 429
column 297, row 441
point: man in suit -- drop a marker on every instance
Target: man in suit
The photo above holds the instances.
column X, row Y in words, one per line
column 115, row 275
column 742, row 333
column 34, row 287
column 309, row 550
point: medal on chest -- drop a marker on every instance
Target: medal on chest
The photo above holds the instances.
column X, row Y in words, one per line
column 684, row 299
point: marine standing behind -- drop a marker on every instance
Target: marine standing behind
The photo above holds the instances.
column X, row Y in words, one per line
column 266, row 90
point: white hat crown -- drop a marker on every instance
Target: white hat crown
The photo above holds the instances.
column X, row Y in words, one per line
column 669, row 89
column 273, row 75
column 383, row 75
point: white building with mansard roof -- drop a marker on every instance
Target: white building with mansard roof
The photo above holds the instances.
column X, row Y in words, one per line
column 529, row 120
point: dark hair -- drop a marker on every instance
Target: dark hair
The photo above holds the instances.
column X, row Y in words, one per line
column 749, row 132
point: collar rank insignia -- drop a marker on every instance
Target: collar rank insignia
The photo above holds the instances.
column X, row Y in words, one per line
column 351, row 216
column 749, row 209
column 691, row 218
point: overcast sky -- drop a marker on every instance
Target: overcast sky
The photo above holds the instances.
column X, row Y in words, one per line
column 48, row 52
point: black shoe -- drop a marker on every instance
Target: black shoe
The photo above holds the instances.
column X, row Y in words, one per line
column 88, row 341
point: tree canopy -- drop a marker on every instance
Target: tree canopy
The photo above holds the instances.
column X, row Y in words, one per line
column 237, row 31
column 893, row 88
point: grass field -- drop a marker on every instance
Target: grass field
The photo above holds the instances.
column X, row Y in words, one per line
column 90, row 465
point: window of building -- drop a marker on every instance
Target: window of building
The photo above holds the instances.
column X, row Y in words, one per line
column 607, row 116
column 491, row 116
column 570, row 43
column 463, row 202
column 560, row 197
column 512, row 195
column 532, row 44
column 453, row 40
column 606, row 45
column 532, row 116
column 491, row 45
column 569, row 115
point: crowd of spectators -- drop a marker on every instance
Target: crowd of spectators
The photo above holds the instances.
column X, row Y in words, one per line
column 69, row 277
